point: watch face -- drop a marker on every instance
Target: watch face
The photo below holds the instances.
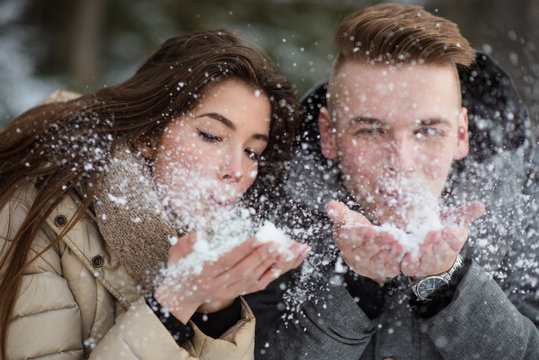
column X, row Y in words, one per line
column 426, row 287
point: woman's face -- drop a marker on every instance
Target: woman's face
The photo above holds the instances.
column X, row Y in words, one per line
column 206, row 159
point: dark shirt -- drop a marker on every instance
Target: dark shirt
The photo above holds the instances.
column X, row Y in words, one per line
column 211, row 324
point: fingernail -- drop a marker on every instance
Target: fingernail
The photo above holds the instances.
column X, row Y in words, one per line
column 301, row 248
column 271, row 249
column 276, row 272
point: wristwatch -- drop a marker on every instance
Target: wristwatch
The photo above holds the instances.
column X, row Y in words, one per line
column 426, row 287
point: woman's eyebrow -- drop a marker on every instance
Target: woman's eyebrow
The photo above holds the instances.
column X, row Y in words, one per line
column 220, row 118
column 228, row 123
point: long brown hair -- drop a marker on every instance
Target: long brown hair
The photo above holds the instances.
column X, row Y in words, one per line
column 64, row 146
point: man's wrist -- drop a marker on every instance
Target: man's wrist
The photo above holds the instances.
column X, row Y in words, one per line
column 441, row 298
column 367, row 293
column 424, row 288
column 417, row 278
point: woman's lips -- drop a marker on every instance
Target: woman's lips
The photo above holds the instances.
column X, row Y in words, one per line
column 220, row 202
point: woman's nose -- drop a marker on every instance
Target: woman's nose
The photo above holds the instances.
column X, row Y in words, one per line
column 231, row 168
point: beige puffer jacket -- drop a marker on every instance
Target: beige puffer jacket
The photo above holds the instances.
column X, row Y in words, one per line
column 77, row 300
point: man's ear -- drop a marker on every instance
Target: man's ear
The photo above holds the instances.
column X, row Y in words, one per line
column 462, row 135
column 146, row 145
column 327, row 136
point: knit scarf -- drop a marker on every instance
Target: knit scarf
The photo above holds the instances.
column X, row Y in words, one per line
column 131, row 218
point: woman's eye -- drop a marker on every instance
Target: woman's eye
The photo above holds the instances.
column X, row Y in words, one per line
column 253, row 155
column 209, row 137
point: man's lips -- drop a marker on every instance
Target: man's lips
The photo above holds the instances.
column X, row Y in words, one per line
column 396, row 194
column 398, row 197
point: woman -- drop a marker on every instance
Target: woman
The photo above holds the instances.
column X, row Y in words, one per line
column 94, row 190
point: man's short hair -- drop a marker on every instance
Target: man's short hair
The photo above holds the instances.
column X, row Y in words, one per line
column 393, row 35
column 400, row 34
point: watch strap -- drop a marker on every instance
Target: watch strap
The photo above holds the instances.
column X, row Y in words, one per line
column 440, row 299
column 447, row 277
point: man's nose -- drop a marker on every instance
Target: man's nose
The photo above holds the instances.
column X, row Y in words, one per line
column 231, row 169
column 402, row 154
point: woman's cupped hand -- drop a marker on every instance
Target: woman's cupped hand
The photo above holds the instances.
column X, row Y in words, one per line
column 246, row 268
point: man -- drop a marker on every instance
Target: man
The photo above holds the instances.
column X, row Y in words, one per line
column 393, row 126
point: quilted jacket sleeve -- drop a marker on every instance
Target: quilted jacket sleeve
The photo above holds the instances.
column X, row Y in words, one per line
column 49, row 322
column 138, row 334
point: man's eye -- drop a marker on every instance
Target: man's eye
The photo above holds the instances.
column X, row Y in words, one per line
column 209, row 137
column 428, row 132
column 253, row 155
column 369, row 131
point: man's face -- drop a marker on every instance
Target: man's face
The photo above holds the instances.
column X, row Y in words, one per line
column 395, row 132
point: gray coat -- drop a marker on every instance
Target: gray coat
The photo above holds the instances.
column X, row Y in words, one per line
column 494, row 311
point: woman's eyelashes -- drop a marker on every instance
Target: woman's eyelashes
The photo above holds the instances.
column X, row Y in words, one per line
column 209, row 137
column 212, row 138
column 253, row 155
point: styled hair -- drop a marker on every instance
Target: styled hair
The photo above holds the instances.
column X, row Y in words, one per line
column 393, row 35
column 400, row 34
column 64, row 146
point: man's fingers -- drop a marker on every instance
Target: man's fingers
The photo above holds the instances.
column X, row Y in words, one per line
column 455, row 237
column 472, row 211
column 409, row 264
column 340, row 214
column 349, row 239
column 464, row 214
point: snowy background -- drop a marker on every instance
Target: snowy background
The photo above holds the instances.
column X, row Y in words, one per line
column 82, row 45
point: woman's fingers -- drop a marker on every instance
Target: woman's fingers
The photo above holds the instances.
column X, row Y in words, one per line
column 255, row 264
column 268, row 276
column 182, row 248
column 301, row 256
column 258, row 269
column 237, row 254
column 250, row 265
column 240, row 262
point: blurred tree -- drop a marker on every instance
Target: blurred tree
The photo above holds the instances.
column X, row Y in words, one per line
column 84, row 38
column 86, row 44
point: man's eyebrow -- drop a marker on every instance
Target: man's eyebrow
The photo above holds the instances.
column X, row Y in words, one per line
column 228, row 123
column 364, row 120
column 433, row 121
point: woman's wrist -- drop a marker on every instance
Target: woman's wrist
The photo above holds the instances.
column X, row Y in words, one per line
column 179, row 331
column 214, row 306
column 217, row 323
column 181, row 310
